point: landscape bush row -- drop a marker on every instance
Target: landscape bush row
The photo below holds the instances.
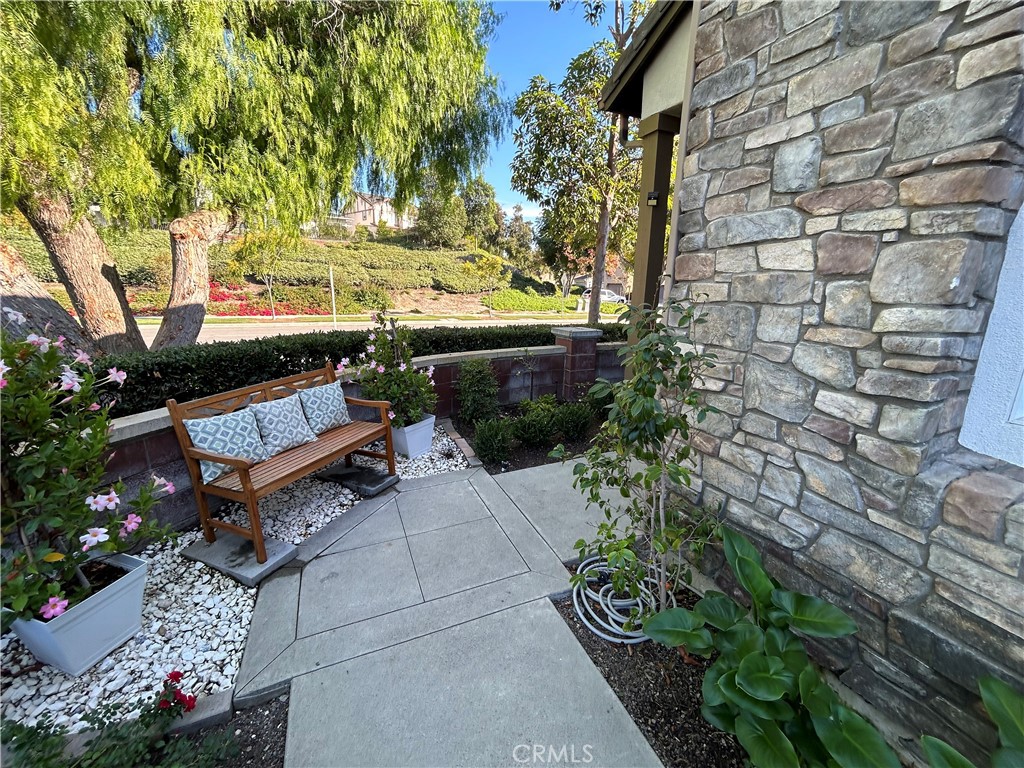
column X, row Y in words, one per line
column 186, row 373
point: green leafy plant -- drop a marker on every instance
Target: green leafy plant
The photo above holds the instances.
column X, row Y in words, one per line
column 57, row 518
column 373, row 297
column 493, row 440
column 477, row 390
column 535, row 428
column 385, row 372
column 572, row 420
column 763, row 687
column 642, row 451
column 120, row 742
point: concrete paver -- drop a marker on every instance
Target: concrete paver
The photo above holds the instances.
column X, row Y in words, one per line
column 417, row 631
column 483, row 693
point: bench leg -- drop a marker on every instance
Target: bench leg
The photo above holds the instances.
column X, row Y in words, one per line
column 348, row 459
column 390, row 450
column 204, row 516
column 252, row 506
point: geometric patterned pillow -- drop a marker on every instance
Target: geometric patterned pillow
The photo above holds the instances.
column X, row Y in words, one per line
column 324, row 407
column 233, row 434
column 282, row 424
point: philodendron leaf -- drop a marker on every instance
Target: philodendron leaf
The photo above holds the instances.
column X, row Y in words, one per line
column 767, row 710
column 679, row 627
column 813, row 616
column 709, row 686
column 1007, row 757
column 941, row 755
column 736, row 545
column 816, row 695
column 719, row 610
column 764, row 677
column 740, row 640
column 1006, row 708
column 767, row 746
column 852, row 741
column 752, row 577
column 721, row 716
column 788, row 647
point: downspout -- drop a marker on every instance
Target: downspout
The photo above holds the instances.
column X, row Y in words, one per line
column 668, row 278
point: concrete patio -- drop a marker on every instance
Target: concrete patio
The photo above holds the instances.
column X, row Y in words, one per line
column 416, row 630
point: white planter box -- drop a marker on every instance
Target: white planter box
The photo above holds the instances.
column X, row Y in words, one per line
column 415, row 439
column 86, row 633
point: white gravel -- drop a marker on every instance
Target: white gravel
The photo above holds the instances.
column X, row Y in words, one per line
column 194, row 619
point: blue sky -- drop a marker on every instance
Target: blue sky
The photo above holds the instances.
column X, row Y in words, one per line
column 531, row 40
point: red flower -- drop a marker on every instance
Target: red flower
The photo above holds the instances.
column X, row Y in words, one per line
column 165, row 703
column 190, row 703
column 175, row 676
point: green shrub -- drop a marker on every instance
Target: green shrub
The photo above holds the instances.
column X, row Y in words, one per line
column 493, row 440
column 361, row 233
column 512, row 300
column 546, row 403
column 477, row 390
column 573, row 420
column 373, row 297
column 186, row 373
column 535, row 428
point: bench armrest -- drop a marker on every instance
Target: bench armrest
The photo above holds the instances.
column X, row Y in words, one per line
column 382, row 405
column 219, row 458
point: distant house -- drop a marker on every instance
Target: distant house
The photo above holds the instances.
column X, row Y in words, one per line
column 848, row 216
column 367, row 210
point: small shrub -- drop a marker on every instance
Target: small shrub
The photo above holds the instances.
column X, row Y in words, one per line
column 493, row 440
column 361, row 234
column 477, row 390
column 373, row 297
column 545, row 403
column 535, row 428
column 573, row 420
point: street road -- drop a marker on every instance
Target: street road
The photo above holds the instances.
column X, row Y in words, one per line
column 254, row 329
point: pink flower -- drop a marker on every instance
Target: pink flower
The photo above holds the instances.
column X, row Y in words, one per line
column 163, row 485
column 380, row 369
column 59, row 343
column 401, row 367
column 93, row 407
column 343, row 363
column 373, row 317
column 130, row 524
column 371, row 349
column 4, row 367
column 70, row 380
column 14, row 316
column 99, row 503
column 41, row 342
column 93, row 536
column 391, row 415
column 82, row 357
column 118, row 376
column 53, row 608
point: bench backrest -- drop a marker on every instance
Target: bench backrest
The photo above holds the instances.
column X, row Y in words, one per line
column 215, row 405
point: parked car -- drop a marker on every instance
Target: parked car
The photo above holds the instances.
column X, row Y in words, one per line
column 607, row 296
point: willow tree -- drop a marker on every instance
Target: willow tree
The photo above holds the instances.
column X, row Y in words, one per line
column 203, row 113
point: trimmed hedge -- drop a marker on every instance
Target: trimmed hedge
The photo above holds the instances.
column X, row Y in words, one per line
column 186, row 373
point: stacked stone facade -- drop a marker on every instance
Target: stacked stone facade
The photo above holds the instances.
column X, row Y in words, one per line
column 852, row 172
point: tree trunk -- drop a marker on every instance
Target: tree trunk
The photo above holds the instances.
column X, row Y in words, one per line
column 23, row 293
column 604, row 226
column 84, row 266
column 190, row 281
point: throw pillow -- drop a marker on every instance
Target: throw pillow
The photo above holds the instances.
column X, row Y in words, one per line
column 232, row 434
column 324, row 407
column 282, row 424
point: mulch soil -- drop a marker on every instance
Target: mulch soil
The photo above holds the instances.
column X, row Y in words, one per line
column 662, row 694
column 259, row 733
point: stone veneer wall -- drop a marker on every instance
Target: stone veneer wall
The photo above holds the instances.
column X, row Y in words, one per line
column 852, row 171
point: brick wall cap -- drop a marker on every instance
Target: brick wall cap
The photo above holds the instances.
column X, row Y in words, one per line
column 488, row 354
column 603, row 346
column 139, row 425
column 577, row 333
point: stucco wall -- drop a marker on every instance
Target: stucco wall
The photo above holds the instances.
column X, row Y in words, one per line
column 853, row 169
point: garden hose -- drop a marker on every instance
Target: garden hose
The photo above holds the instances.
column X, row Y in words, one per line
column 608, row 612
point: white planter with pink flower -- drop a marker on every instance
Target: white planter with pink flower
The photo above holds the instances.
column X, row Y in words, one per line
column 79, row 637
column 415, row 439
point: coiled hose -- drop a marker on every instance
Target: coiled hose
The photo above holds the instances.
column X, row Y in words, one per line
column 606, row 615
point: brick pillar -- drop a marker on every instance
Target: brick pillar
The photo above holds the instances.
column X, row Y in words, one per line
column 580, row 361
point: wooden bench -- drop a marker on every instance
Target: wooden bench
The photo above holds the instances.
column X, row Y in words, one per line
column 250, row 481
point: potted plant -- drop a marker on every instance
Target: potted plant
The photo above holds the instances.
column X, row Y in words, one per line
column 70, row 591
column 385, row 372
